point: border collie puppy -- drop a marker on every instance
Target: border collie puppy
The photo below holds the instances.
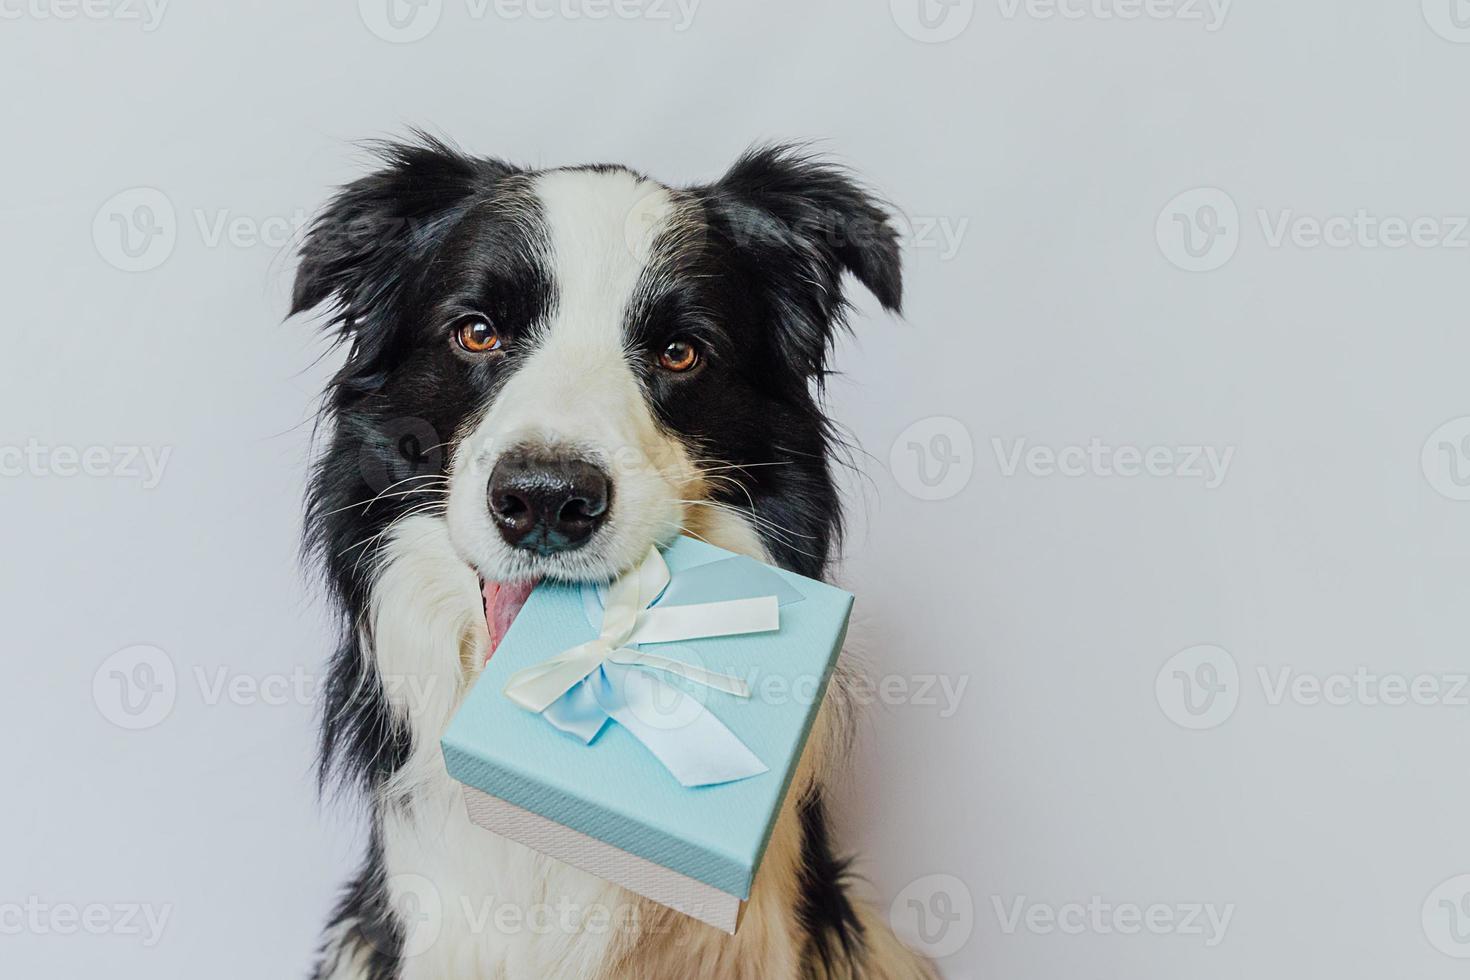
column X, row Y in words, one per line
column 546, row 372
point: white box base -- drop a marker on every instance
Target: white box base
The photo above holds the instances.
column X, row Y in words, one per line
column 639, row 875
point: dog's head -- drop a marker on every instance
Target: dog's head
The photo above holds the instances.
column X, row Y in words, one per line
column 573, row 364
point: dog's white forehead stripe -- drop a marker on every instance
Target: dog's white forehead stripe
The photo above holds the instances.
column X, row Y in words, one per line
column 574, row 385
column 601, row 227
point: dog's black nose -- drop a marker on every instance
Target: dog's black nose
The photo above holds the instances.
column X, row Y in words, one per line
column 546, row 502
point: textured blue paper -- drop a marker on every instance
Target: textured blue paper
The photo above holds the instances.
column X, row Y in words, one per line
column 614, row 789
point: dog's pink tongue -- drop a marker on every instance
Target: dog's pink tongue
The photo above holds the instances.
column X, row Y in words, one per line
column 502, row 602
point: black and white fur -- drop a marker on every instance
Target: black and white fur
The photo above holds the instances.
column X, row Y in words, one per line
column 588, row 272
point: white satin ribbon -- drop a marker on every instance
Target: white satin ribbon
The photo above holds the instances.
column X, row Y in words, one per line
column 580, row 689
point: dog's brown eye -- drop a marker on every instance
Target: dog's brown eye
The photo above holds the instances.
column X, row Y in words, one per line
column 476, row 335
column 680, row 355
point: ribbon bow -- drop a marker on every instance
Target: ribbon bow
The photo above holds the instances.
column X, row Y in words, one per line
column 580, row 689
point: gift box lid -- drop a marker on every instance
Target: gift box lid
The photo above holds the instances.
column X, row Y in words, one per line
column 613, row 789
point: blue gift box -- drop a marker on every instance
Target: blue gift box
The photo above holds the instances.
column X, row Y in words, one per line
column 609, row 806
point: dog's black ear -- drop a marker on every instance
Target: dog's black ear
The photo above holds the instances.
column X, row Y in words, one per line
column 803, row 223
column 358, row 249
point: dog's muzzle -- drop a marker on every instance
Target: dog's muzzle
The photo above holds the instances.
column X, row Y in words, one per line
column 548, row 501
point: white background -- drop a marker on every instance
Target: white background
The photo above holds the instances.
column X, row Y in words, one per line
column 1049, row 148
